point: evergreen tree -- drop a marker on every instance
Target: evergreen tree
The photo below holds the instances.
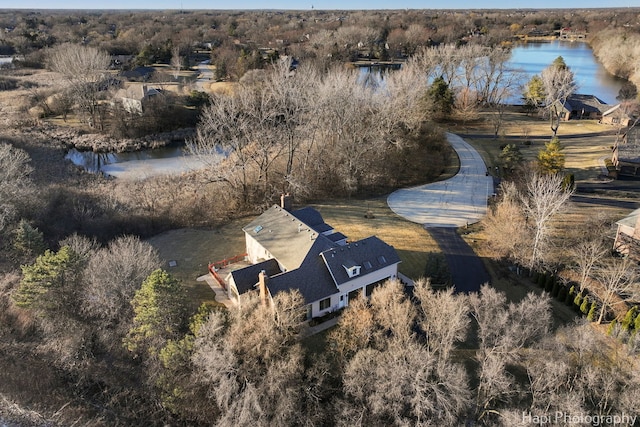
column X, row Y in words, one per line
column 584, row 307
column 534, row 92
column 159, row 307
column 548, row 283
column 28, row 240
column 174, row 380
column 551, row 158
column 562, row 293
column 440, row 99
column 50, row 282
column 570, row 296
column 612, row 327
column 555, row 289
column 577, row 301
column 591, row 316
column 629, row 319
column 559, row 63
column 510, row 157
column 636, row 324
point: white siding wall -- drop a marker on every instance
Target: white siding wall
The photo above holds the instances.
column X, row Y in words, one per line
column 359, row 282
column 255, row 251
column 364, row 279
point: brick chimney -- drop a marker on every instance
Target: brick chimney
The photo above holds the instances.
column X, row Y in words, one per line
column 263, row 279
column 286, row 202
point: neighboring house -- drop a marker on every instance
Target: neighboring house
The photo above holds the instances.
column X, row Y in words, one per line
column 626, row 153
column 582, row 107
column 297, row 250
column 138, row 74
column 628, row 236
column 135, row 95
column 616, row 116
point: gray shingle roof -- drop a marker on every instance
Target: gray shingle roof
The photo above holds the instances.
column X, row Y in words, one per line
column 589, row 103
column 312, row 279
column 371, row 254
column 312, row 260
column 631, row 219
column 312, row 218
column 629, row 153
column 246, row 278
column 282, row 234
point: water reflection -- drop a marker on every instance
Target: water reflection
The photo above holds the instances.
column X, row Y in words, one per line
column 592, row 78
column 96, row 162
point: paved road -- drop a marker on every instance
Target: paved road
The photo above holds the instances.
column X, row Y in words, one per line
column 467, row 270
column 455, row 202
column 205, row 77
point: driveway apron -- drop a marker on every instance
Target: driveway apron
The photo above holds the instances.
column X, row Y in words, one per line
column 455, row 202
column 443, row 206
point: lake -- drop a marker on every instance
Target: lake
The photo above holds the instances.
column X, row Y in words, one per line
column 531, row 58
column 591, row 77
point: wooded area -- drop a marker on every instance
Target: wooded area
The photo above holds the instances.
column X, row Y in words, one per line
column 94, row 332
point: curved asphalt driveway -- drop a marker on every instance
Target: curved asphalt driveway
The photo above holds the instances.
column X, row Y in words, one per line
column 443, row 206
column 455, row 202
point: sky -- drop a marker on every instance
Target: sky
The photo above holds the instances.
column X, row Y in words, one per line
column 307, row 4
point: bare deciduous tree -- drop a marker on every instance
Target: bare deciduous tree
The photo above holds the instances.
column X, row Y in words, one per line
column 619, row 280
column 558, row 82
column 443, row 316
column 84, row 67
column 543, row 197
column 251, row 363
column 113, row 275
column 587, row 254
column 506, row 224
column 15, row 185
column 176, row 62
column 503, row 331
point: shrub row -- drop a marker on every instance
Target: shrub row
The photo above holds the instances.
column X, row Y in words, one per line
column 582, row 302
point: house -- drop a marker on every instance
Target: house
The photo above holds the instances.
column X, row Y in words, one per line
column 627, row 240
column 617, row 115
column 134, row 95
column 296, row 250
column 626, row 153
column 579, row 106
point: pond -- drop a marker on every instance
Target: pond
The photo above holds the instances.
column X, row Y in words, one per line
column 141, row 164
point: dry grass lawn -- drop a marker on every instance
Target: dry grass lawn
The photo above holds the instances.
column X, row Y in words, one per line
column 582, row 153
column 412, row 241
column 194, row 249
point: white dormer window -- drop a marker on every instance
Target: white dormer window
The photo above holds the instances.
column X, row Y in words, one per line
column 352, row 271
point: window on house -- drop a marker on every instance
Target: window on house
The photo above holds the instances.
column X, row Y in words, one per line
column 325, row 303
column 370, row 287
column 353, row 271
